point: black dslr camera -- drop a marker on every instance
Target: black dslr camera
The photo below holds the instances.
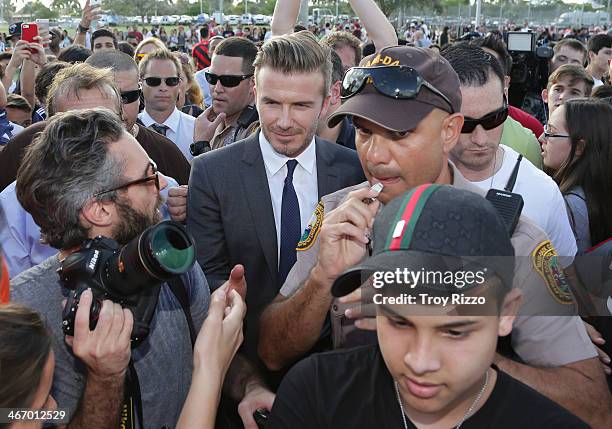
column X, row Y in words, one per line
column 131, row 275
column 529, row 74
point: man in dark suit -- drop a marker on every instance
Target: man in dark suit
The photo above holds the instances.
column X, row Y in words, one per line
column 248, row 202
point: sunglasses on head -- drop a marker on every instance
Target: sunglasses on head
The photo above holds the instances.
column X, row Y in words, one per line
column 227, row 80
column 128, row 97
column 399, row 82
column 488, row 121
column 156, row 81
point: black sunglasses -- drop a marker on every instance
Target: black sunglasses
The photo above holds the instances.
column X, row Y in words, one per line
column 156, row 81
column 128, row 97
column 152, row 177
column 227, row 80
column 488, row 121
column 399, row 82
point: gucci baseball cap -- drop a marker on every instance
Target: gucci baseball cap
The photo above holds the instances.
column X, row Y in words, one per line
column 436, row 228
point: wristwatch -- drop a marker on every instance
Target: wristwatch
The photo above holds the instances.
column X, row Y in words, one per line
column 82, row 29
column 199, row 147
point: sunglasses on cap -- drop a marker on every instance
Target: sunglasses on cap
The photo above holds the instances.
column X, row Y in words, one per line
column 128, row 97
column 488, row 121
column 399, row 82
column 156, row 81
column 227, row 80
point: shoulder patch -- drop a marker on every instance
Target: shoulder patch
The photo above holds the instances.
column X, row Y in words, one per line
column 546, row 262
column 312, row 229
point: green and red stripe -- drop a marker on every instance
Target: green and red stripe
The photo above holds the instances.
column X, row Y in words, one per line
column 413, row 205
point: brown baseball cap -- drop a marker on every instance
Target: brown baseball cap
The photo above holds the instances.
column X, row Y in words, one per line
column 404, row 114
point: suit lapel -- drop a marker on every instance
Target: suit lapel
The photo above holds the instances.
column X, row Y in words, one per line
column 327, row 178
column 257, row 194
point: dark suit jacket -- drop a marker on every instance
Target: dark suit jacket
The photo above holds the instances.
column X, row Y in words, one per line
column 230, row 215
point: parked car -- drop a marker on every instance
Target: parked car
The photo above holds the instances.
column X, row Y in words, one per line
column 261, row 19
column 246, row 19
column 156, row 20
column 233, row 19
column 202, row 19
column 186, row 19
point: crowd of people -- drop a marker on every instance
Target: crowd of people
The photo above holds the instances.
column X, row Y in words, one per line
column 301, row 166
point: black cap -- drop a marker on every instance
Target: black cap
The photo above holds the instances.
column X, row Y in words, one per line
column 435, row 227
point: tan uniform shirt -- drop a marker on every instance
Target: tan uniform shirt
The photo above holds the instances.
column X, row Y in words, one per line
column 228, row 135
column 547, row 332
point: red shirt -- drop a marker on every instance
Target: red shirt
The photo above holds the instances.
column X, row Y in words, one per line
column 526, row 120
column 200, row 55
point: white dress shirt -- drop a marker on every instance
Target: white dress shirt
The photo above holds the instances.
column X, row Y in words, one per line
column 304, row 182
column 181, row 127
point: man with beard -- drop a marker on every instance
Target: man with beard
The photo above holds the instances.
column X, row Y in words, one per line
column 84, row 177
column 249, row 201
column 77, row 87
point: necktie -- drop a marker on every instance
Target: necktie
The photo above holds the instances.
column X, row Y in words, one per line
column 161, row 129
column 290, row 225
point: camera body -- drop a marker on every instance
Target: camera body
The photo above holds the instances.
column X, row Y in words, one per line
column 130, row 275
column 529, row 74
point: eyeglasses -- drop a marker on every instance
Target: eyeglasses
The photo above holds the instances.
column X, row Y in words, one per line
column 152, row 177
column 227, row 80
column 156, row 81
column 128, row 97
column 399, row 82
column 488, row 121
column 548, row 134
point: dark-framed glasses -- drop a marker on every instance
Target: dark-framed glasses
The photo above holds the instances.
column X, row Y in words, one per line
column 548, row 134
column 156, row 81
column 128, row 97
column 488, row 121
column 227, row 80
column 399, row 82
column 151, row 178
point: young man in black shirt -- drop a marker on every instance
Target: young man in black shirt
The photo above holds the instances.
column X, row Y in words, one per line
column 437, row 333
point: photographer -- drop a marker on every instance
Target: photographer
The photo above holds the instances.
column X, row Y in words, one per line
column 85, row 176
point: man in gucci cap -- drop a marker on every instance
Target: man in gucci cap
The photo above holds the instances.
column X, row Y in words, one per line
column 405, row 104
column 432, row 366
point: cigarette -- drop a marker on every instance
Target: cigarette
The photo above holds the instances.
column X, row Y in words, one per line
column 377, row 187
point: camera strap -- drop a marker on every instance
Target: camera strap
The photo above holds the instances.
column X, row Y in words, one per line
column 131, row 411
column 180, row 292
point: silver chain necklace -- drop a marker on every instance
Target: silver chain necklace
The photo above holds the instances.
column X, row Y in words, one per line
column 465, row 416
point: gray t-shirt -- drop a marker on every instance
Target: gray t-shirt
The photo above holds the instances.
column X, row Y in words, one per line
column 579, row 217
column 163, row 361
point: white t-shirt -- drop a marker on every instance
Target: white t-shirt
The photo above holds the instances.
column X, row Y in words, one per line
column 543, row 201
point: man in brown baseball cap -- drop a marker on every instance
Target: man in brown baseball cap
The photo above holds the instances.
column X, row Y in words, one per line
column 405, row 103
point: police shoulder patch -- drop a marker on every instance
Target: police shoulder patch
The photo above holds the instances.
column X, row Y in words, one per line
column 546, row 262
column 312, row 229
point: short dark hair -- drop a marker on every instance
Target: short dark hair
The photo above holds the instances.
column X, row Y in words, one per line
column 337, row 67
column 602, row 91
column 74, row 54
column 204, row 32
column 117, row 61
column 472, row 64
column 574, row 44
column 44, row 79
column 64, row 167
column 598, row 42
column 126, row 48
column 241, row 48
column 496, row 44
column 5, row 56
column 26, row 346
column 17, row 101
column 103, row 32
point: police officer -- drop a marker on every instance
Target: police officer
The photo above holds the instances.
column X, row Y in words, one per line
column 405, row 105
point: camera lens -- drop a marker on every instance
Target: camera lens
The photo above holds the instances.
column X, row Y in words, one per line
column 161, row 252
column 172, row 249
